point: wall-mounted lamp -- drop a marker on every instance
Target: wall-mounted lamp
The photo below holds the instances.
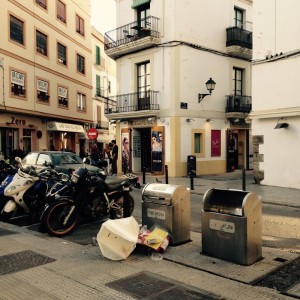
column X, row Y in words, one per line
column 210, row 85
column 209, row 120
column 190, row 120
column 281, row 125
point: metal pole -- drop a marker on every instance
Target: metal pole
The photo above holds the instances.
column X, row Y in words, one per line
column 192, row 179
column 244, row 179
column 144, row 175
column 166, row 174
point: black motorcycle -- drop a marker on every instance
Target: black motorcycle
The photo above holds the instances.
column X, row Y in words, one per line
column 92, row 198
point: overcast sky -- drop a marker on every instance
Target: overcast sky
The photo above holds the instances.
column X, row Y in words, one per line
column 103, row 15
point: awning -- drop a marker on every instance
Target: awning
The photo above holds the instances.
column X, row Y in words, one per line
column 137, row 3
column 57, row 126
column 105, row 138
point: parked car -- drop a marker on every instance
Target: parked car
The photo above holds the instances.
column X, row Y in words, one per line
column 63, row 162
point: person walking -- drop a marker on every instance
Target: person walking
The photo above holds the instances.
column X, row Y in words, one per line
column 114, row 158
column 94, row 155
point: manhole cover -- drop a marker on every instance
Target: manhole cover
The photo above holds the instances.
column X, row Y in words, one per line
column 23, row 260
column 4, row 232
column 151, row 286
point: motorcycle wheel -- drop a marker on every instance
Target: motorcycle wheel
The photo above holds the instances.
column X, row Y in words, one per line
column 117, row 210
column 55, row 216
column 6, row 216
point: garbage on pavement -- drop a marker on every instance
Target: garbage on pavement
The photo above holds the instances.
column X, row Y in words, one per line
column 118, row 238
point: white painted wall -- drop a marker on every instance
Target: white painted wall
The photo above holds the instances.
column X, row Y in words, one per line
column 276, row 89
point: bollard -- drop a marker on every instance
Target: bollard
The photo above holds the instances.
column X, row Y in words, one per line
column 126, row 207
column 192, row 179
column 244, row 179
column 166, row 174
column 144, row 175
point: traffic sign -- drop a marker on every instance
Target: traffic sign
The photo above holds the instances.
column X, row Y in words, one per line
column 92, row 134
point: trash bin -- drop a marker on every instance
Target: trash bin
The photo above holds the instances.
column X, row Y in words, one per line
column 191, row 164
column 231, row 223
column 167, row 207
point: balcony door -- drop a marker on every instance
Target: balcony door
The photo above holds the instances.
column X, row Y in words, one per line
column 143, row 85
column 143, row 18
column 238, row 17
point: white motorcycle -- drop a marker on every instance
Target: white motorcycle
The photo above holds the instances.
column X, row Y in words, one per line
column 26, row 193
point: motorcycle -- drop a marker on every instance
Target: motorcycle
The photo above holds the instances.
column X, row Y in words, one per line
column 92, row 198
column 25, row 194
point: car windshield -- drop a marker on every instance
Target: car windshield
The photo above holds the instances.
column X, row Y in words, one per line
column 66, row 158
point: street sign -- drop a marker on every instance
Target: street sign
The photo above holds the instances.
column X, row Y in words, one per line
column 92, row 134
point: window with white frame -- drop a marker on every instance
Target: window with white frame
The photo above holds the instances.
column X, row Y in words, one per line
column 81, row 102
column 17, row 81
column 42, row 90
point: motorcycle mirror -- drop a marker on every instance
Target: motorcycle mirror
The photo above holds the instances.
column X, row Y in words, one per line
column 18, row 159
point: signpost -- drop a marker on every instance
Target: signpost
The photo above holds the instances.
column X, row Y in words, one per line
column 92, row 134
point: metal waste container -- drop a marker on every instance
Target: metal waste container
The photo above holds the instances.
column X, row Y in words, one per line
column 167, row 207
column 232, row 225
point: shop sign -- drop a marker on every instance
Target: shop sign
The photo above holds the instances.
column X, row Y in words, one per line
column 142, row 122
column 57, row 126
column 92, row 134
column 17, row 78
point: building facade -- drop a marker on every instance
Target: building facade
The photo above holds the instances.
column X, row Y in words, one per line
column 104, row 86
column 166, row 51
column 276, row 107
column 46, row 83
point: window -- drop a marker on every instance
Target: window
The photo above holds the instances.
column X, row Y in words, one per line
column 61, row 11
column 43, row 158
column 16, row 30
column 42, row 90
column 18, row 84
column 98, row 86
column 237, row 81
column 61, row 54
column 80, row 64
column 79, row 25
column 198, row 147
column 238, row 17
column 81, row 102
column 42, row 3
column 63, row 97
column 143, row 83
column 97, row 55
column 41, row 43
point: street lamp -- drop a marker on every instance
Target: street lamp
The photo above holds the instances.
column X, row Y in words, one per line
column 210, row 85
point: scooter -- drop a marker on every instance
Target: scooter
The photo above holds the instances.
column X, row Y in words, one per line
column 26, row 193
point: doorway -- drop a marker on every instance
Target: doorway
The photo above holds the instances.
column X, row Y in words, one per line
column 146, row 148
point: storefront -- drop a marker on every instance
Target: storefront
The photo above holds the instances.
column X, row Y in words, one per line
column 64, row 136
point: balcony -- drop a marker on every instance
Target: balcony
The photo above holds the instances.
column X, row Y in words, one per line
column 133, row 105
column 239, row 42
column 238, row 107
column 132, row 37
column 102, row 125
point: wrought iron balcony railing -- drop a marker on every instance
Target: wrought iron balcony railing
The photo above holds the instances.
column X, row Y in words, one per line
column 239, row 37
column 130, row 32
column 133, row 102
column 241, row 104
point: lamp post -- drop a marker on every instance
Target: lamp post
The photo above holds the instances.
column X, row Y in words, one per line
column 210, row 85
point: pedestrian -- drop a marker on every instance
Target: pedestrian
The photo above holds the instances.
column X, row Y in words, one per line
column 18, row 152
column 94, row 155
column 107, row 155
column 114, row 158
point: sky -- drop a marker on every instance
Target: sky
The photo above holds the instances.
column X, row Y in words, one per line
column 103, row 15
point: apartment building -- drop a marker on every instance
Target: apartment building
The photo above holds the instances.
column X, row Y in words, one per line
column 104, row 86
column 276, row 107
column 184, row 84
column 46, row 80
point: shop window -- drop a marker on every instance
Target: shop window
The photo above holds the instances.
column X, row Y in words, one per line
column 16, row 30
column 79, row 25
column 18, row 82
column 80, row 64
column 42, row 3
column 63, row 97
column 43, row 91
column 81, row 102
column 61, row 11
column 61, row 54
column 41, row 43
